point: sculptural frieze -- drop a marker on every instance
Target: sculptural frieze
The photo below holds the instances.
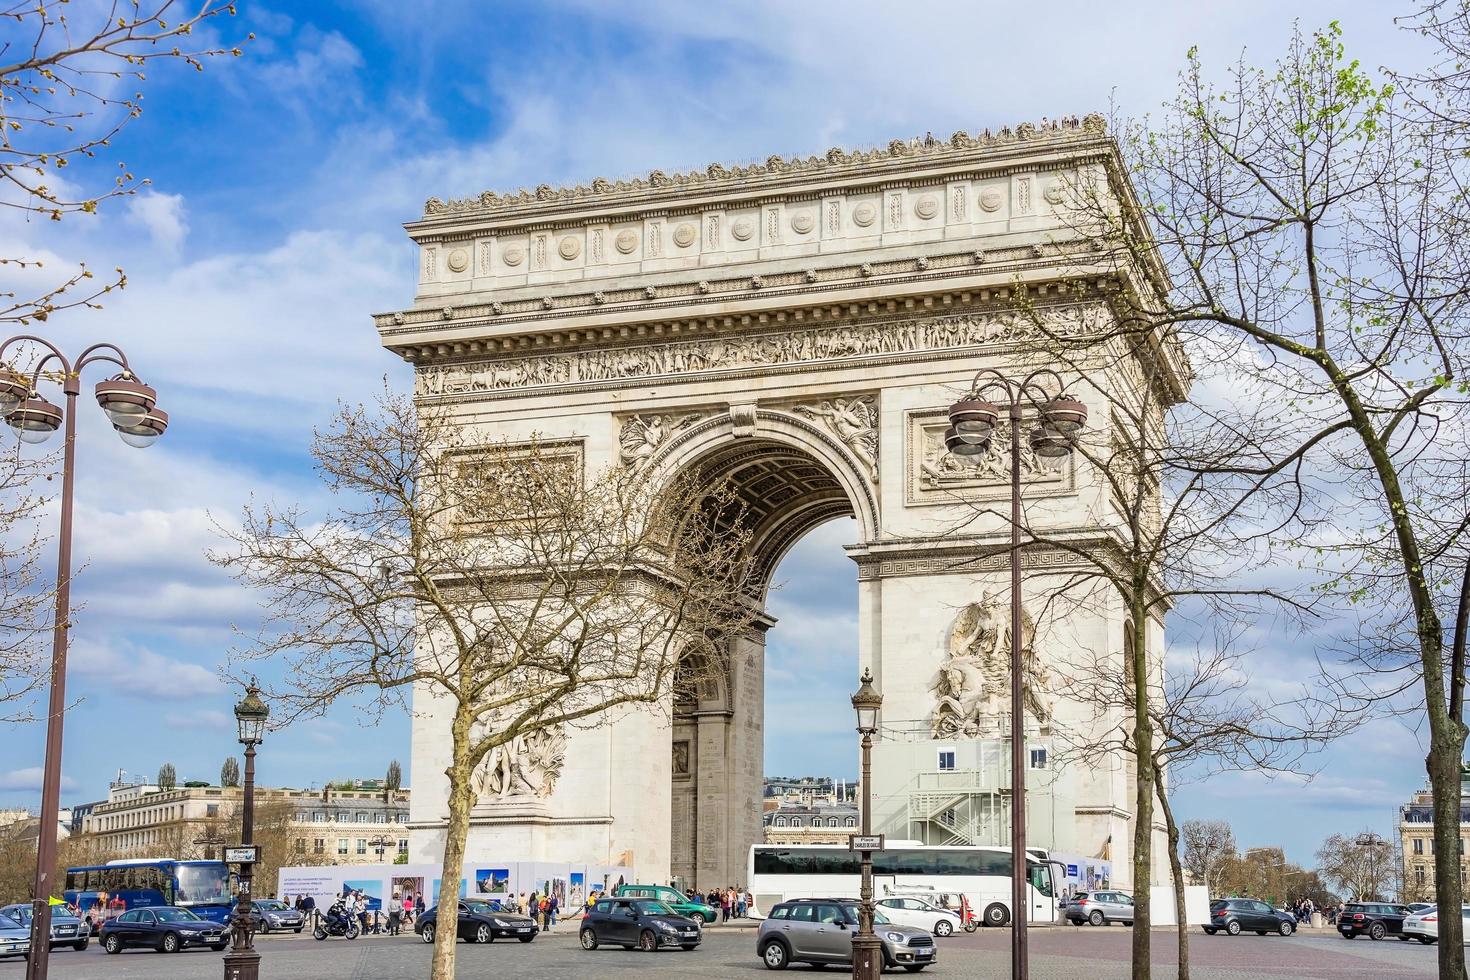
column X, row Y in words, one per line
column 972, row 687
column 641, row 435
column 526, row 767
column 939, row 468
column 854, row 421
column 614, row 364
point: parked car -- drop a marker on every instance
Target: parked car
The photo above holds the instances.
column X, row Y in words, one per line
column 1372, row 919
column 1423, row 925
column 15, row 939
column 820, row 930
column 922, row 914
column 1421, row 906
column 1100, row 908
column 640, row 922
column 165, row 928
column 270, row 914
column 1236, row 915
column 66, row 929
column 681, row 904
column 480, row 922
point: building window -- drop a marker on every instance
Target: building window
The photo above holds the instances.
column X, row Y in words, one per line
column 1418, row 845
column 301, row 845
column 403, row 845
column 852, row 821
column 1419, row 877
column 946, row 760
column 362, row 845
column 211, row 809
column 318, row 846
column 1038, row 758
column 342, row 845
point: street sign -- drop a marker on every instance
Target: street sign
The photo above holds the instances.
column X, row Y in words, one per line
column 241, row 854
column 870, row 842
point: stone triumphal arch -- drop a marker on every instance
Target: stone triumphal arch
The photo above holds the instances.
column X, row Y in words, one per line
column 798, row 326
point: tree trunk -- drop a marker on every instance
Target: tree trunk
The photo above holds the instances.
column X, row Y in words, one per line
column 461, row 799
column 1447, row 748
column 1178, row 871
column 1143, row 821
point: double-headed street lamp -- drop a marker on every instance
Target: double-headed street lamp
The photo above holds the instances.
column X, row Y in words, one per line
column 867, row 948
column 131, row 406
column 242, row 962
column 973, row 421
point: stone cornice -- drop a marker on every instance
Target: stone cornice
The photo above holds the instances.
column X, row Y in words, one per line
column 775, row 174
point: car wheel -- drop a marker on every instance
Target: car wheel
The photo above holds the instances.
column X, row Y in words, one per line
column 265, row 928
column 80, row 945
column 943, row 928
column 1096, row 918
column 297, row 930
column 1427, row 940
column 647, row 941
column 170, row 943
column 996, row 915
column 112, row 944
column 1376, row 931
column 483, row 934
column 1286, row 928
column 775, row 955
column 1232, row 927
column 428, row 932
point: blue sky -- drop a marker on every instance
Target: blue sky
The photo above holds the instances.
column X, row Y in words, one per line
column 271, row 231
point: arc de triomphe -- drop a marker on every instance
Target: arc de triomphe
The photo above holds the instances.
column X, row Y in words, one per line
column 799, row 325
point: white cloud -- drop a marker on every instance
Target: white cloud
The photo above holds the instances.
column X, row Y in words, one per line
column 162, row 216
column 202, row 719
column 125, row 668
column 29, row 780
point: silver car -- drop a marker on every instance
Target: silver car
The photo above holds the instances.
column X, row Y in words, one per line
column 820, row 930
column 15, row 939
column 66, row 929
column 1100, row 908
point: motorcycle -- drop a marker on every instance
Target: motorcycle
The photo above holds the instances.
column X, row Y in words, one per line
column 336, row 923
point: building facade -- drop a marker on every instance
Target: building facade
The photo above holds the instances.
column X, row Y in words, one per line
column 329, row 826
column 1416, row 842
column 810, row 823
column 798, row 328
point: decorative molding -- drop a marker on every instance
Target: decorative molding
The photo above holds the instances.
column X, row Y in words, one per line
column 951, row 558
column 681, row 359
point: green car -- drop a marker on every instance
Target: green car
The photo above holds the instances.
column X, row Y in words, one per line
column 671, row 897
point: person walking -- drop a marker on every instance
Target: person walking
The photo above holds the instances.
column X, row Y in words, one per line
column 739, row 902
column 555, row 907
column 725, row 905
column 395, row 914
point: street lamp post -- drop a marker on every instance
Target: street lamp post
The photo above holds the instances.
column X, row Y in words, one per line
column 973, row 421
column 867, row 948
column 242, row 962
column 132, row 407
column 380, row 843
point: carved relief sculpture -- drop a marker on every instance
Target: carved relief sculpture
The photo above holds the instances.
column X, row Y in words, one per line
column 641, row 435
column 972, row 686
column 855, row 422
column 941, row 468
column 527, row 766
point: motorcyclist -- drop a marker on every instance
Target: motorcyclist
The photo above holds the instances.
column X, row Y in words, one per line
column 337, row 915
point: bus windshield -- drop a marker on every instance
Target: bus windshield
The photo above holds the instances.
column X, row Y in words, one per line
column 203, row 884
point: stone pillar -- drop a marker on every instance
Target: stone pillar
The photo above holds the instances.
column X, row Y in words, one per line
column 712, row 787
column 746, row 751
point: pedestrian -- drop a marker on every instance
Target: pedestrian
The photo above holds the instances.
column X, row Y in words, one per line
column 555, row 907
column 545, row 913
column 725, row 904
column 395, row 914
column 360, row 906
column 739, row 902
column 749, row 901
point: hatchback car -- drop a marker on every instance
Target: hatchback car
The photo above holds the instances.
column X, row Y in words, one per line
column 1423, row 925
column 15, row 939
column 640, row 922
column 66, row 929
column 1233, row 916
column 1372, row 919
column 272, row 914
column 676, row 900
column 820, row 930
column 161, row 927
column 1100, row 908
column 480, row 922
column 921, row 914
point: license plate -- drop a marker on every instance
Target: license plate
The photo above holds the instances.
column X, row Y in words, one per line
column 923, row 952
column 524, row 929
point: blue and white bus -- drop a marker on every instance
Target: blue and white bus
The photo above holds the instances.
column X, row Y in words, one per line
column 104, row 891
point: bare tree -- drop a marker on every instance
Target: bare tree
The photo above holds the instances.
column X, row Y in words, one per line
column 229, row 772
column 517, row 592
column 70, row 76
column 1300, row 229
column 168, row 778
column 1206, row 848
column 1361, row 865
column 26, row 596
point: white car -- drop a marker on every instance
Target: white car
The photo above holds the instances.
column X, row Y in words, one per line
column 921, row 914
column 1424, row 926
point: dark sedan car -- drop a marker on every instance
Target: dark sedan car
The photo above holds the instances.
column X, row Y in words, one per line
column 1372, row 919
column 1233, row 916
column 161, row 927
column 642, row 922
column 479, row 922
column 66, row 929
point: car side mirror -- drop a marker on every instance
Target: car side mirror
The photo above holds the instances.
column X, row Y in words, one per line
column 842, row 925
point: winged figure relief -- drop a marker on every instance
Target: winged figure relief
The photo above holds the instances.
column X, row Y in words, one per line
column 641, row 435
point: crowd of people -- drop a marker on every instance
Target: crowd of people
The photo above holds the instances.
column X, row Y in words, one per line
column 733, row 902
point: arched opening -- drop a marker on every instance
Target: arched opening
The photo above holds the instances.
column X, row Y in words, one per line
column 722, row 736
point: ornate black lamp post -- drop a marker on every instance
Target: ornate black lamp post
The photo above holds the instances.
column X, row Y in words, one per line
column 867, row 948
column 132, row 408
column 973, row 421
column 242, row 962
column 381, row 843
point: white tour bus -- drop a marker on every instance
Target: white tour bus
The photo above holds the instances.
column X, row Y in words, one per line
column 982, row 874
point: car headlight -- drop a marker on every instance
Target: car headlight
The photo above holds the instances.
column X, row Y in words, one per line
column 665, row 926
column 500, row 923
column 896, row 937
